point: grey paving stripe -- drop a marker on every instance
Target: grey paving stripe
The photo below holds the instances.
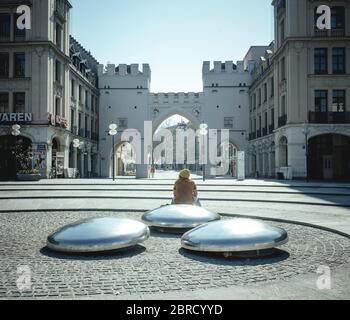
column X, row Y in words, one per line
column 345, row 205
column 172, row 183
column 200, row 189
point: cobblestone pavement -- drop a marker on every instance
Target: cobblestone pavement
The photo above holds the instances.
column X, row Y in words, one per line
column 159, row 266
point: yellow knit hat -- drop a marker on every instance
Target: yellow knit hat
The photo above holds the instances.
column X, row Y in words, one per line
column 185, row 174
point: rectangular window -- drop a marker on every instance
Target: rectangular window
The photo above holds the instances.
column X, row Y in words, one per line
column 321, row 60
column 58, row 72
column 321, row 101
column 265, row 92
column 266, row 124
column 79, row 121
column 80, row 94
column 228, row 122
column 283, row 69
column 338, row 104
column 58, row 36
column 86, row 99
column 96, row 105
column 72, row 118
column 19, row 102
column 4, row 102
column 87, row 132
column 58, row 106
column 259, row 97
column 19, row 34
column 283, row 106
column 282, row 30
column 92, row 101
column 338, row 60
column 338, row 18
column 72, row 88
column 273, row 118
column 4, row 65
column 254, row 125
column 272, row 87
column 5, row 22
column 96, row 127
column 19, row 65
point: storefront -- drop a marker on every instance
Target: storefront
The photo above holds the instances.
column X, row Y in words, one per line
column 329, row 157
column 16, row 155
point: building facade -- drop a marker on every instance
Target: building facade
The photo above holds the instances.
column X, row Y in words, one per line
column 299, row 115
column 285, row 104
column 126, row 100
column 37, row 68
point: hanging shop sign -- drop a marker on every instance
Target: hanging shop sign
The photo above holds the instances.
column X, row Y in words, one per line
column 16, row 117
column 58, row 121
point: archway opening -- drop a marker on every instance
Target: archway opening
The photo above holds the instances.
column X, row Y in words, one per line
column 57, row 161
column 283, row 152
column 329, row 157
column 15, row 155
column 125, row 160
column 173, row 123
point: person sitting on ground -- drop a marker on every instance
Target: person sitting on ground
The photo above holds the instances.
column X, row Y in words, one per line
column 185, row 190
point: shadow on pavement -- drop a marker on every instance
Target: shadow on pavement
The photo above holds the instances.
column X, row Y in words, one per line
column 106, row 255
column 166, row 233
column 219, row 259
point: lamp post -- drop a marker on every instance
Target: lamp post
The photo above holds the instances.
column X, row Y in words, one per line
column 112, row 132
column 16, row 131
column 203, row 131
column 306, row 132
column 77, row 144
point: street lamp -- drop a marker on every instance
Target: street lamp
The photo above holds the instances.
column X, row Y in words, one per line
column 16, row 131
column 203, row 131
column 77, row 144
column 306, row 132
column 112, row 132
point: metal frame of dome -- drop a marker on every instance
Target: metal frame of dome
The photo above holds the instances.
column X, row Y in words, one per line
column 173, row 219
column 94, row 244
column 254, row 236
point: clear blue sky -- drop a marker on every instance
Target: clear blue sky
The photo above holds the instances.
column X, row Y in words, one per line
column 173, row 36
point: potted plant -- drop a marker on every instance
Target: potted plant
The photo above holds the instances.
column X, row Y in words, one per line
column 29, row 175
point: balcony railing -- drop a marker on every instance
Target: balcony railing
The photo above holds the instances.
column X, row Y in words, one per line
column 87, row 134
column 282, row 121
column 258, row 133
column 271, row 128
column 329, row 117
column 264, row 132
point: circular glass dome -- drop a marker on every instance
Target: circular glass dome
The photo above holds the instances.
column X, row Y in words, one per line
column 179, row 217
column 235, row 235
column 98, row 234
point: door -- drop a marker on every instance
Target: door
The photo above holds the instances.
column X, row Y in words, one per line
column 328, row 167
